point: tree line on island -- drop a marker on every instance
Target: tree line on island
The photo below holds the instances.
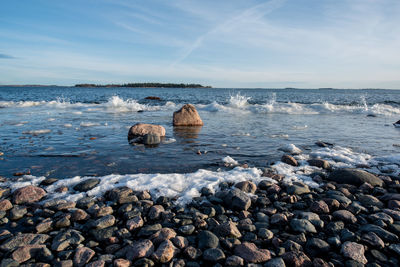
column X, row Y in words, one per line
column 146, row 85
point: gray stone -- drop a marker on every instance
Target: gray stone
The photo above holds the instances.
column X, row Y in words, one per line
column 275, row 262
column 104, row 222
column 298, row 189
column 345, row 216
column 207, row 239
column 213, row 255
column 234, row 261
column 18, row 212
column 320, row 163
column 316, row 247
column 103, row 234
column 237, row 200
column 382, row 233
column 228, row 229
column 87, row 185
column 187, row 229
column 354, row 251
column 354, row 177
column 65, row 239
column 303, row 226
column 373, row 240
column 247, row 187
column 82, row 256
column 151, row 139
column 22, row 240
column 149, row 230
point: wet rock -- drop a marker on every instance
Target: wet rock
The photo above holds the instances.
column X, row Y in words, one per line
column 382, row 233
column 345, row 216
column 121, row 263
column 246, row 186
column 48, row 181
column 297, row 189
column 302, row 226
column 104, row 222
column 320, row 207
column 279, row 219
column 82, row 256
column 320, row 163
column 237, row 200
column 103, row 234
column 155, row 212
column 275, row 262
column 151, row 139
column 98, row 263
column 17, row 212
column 354, row 177
column 228, row 229
column 149, row 230
column 65, row 239
column 290, row 160
column 22, row 240
column 296, row 259
column 25, row 253
column 28, row 194
column 316, row 247
column 141, row 129
column 140, row 249
column 5, row 205
column 192, row 253
column 373, row 240
column 187, row 116
column 234, row 261
column 207, row 239
column 165, row 252
column 162, row 235
column 370, row 201
column 134, row 223
column 79, row 215
column 213, row 255
column 187, row 229
column 180, row 242
column 44, row 226
column 87, row 185
column 353, row 251
column 250, row 253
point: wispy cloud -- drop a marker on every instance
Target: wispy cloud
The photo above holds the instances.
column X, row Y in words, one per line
column 5, row 56
column 253, row 13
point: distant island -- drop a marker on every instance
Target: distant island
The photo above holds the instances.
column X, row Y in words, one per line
column 146, row 85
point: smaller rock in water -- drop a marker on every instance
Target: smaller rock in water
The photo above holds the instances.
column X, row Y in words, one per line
column 289, row 160
column 141, row 129
column 153, row 98
column 320, row 163
column 187, row 116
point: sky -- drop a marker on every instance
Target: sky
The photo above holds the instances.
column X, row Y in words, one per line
column 226, row 43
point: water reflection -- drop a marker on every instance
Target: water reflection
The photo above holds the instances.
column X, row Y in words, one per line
column 187, row 132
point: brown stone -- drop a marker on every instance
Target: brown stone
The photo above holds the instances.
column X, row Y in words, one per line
column 82, row 256
column 319, row 206
column 5, row 205
column 250, row 253
column 345, row 216
column 228, row 229
column 79, row 215
column 289, row 160
column 134, row 223
column 246, row 186
column 28, row 194
column 98, row 263
column 121, row 263
column 296, row 259
column 165, row 252
column 44, row 226
column 162, row 235
column 140, row 249
column 25, row 253
column 354, row 251
column 187, row 116
column 141, row 129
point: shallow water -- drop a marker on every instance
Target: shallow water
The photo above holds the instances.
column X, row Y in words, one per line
column 64, row 132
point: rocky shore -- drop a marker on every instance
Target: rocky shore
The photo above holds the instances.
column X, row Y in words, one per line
column 270, row 224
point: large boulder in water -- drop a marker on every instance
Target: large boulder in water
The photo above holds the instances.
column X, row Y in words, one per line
column 354, row 177
column 187, row 116
column 139, row 130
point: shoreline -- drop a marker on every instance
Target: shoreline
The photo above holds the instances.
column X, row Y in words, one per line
column 273, row 223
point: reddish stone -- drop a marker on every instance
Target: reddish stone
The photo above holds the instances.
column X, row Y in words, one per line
column 28, row 194
column 250, row 253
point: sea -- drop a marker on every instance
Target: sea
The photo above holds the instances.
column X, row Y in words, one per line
column 75, row 133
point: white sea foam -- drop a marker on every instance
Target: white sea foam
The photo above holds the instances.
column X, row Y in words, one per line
column 37, row 132
column 67, row 125
column 89, row 124
column 341, row 157
column 290, row 148
column 230, row 161
column 185, row 186
column 169, row 141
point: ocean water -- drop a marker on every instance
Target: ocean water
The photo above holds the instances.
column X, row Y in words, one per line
column 66, row 132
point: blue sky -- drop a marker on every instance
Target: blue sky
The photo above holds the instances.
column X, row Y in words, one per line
column 235, row 43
